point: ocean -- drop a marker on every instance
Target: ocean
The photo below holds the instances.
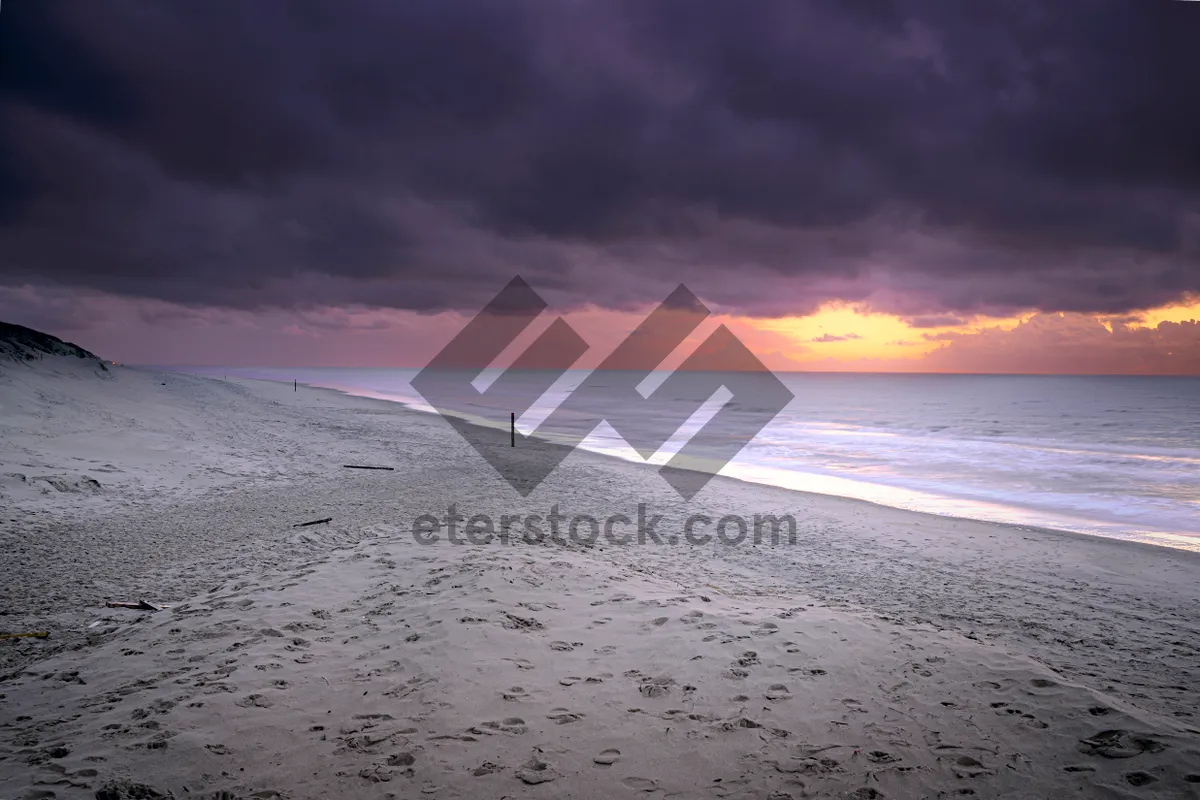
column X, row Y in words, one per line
column 1103, row 455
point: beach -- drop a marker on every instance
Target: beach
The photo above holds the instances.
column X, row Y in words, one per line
column 883, row 653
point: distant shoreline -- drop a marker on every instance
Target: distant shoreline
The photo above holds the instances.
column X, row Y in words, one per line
column 846, row 488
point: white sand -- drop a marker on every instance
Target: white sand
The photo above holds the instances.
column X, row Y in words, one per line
column 885, row 654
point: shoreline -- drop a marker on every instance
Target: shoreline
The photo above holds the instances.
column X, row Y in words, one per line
column 1191, row 548
column 966, row 654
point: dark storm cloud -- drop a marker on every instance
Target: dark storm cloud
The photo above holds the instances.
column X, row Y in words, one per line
column 931, row 158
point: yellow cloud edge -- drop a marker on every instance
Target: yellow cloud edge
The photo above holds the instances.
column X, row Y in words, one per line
column 883, row 336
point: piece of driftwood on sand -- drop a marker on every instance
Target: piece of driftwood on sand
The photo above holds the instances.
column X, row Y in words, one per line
column 140, row 605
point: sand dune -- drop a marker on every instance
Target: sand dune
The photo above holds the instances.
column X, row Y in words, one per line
column 884, row 654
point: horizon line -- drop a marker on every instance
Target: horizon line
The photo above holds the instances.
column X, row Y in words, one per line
column 773, row 371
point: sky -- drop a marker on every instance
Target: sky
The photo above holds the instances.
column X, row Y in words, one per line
column 875, row 186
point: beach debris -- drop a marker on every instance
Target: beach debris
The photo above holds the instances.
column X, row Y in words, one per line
column 140, row 605
column 314, row 522
column 30, row 635
column 363, row 466
column 1120, row 744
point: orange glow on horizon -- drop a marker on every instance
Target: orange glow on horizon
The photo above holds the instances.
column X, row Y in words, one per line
column 845, row 333
column 851, row 337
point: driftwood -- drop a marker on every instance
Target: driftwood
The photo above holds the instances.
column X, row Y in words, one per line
column 33, row 635
column 140, row 605
column 360, row 466
column 314, row 522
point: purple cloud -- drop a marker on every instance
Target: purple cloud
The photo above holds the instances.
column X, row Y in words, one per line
column 924, row 158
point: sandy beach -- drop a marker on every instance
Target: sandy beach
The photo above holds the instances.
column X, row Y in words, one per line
column 883, row 654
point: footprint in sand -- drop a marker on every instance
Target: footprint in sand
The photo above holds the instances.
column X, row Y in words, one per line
column 1028, row 719
column 520, row 663
column 1140, row 778
column 747, row 659
column 656, row 687
column 535, row 771
column 486, row 768
column 607, row 758
column 564, row 647
column 777, row 691
column 515, row 694
column 162, row 706
column 968, row 767
column 513, row 622
column 640, row 784
column 513, row 725
column 562, row 716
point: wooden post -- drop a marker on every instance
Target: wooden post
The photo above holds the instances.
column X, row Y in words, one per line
column 295, row 385
column 512, row 421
